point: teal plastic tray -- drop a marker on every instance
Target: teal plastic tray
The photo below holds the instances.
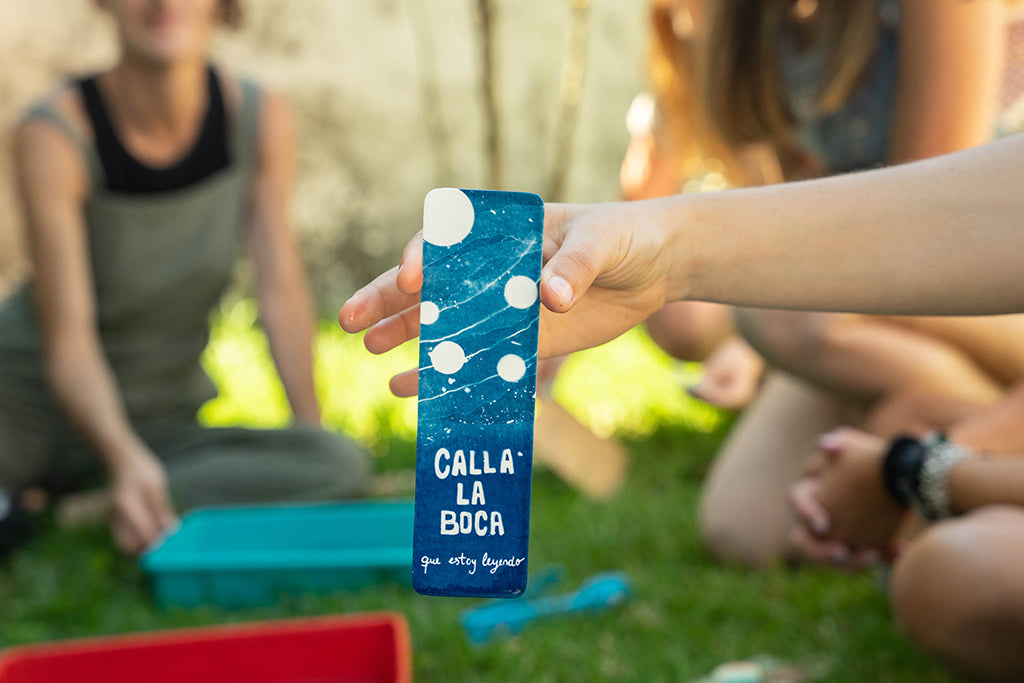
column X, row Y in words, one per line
column 248, row 556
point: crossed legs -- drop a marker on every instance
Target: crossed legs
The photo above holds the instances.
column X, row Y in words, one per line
column 881, row 374
column 957, row 591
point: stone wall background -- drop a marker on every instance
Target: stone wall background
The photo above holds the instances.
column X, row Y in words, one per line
column 354, row 71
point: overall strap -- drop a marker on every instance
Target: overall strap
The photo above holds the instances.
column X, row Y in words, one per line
column 245, row 139
column 890, row 13
column 43, row 111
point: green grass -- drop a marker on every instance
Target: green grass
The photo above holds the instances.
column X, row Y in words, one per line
column 688, row 615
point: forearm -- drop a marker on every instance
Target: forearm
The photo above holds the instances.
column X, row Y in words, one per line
column 281, row 287
column 290, row 326
column 940, row 236
column 997, row 429
column 85, row 389
column 987, row 480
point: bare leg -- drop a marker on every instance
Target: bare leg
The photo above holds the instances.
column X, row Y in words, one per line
column 958, row 593
column 867, row 371
column 872, row 362
column 744, row 513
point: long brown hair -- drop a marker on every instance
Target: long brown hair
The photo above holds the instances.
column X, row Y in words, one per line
column 722, row 87
column 231, row 13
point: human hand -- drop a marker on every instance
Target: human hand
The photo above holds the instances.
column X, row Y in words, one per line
column 809, row 538
column 608, row 267
column 140, row 507
column 732, row 375
column 848, row 518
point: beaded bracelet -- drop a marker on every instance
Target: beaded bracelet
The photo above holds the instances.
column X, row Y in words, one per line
column 916, row 473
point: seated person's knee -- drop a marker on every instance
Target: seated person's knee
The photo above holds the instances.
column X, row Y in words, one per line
column 732, row 536
column 343, row 465
column 949, row 582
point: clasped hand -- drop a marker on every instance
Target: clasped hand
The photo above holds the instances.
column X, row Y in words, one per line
column 846, row 516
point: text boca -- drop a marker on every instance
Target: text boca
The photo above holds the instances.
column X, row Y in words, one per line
column 481, row 522
column 459, row 464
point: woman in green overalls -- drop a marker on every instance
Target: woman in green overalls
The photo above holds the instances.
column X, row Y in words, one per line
column 140, row 185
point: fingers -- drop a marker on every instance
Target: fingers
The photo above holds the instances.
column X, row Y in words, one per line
column 162, row 509
column 125, row 537
column 815, row 463
column 833, row 553
column 392, row 331
column 390, row 293
column 844, row 439
column 724, row 390
column 574, row 260
column 134, row 525
column 864, row 558
column 831, row 445
column 810, row 537
column 140, row 514
column 821, row 550
column 568, row 274
column 410, row 270
column 835, row 441
column 803, row 498
column 375, row 302
column 405, row 384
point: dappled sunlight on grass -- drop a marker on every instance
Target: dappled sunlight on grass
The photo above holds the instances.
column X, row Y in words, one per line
column 352, row 383
column 353, row 387
column 631, row 388
column 627, row 387
column 238, row 360
column 688, row 614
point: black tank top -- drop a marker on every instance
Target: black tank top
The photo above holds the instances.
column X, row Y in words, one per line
column 124, row 173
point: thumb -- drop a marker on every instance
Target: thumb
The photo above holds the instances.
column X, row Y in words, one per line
column 571, row 271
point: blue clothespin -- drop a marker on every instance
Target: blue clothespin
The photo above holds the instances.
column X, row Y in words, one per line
column 508, row 617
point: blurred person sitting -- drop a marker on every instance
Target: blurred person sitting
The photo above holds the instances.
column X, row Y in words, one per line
column 953, row 584
column 787, row 90
column 139, row 185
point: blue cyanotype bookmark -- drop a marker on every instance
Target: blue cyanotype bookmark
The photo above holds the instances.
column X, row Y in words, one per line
column 477, row 387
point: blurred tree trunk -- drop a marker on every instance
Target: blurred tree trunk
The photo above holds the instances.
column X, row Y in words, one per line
column 574, row 67
column 489, row 94
column 430, row 93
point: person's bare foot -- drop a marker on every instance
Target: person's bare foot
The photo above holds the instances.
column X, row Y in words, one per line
column 732, row 375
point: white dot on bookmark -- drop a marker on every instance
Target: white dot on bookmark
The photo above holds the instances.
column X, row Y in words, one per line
column 511, row 368
column 429, row 313
column 520, row 292
column 447, row 358
column 447, row 216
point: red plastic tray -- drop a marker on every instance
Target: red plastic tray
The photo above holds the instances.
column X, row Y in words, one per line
column 371, row 648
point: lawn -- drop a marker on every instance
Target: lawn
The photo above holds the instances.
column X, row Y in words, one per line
column 688, row 614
